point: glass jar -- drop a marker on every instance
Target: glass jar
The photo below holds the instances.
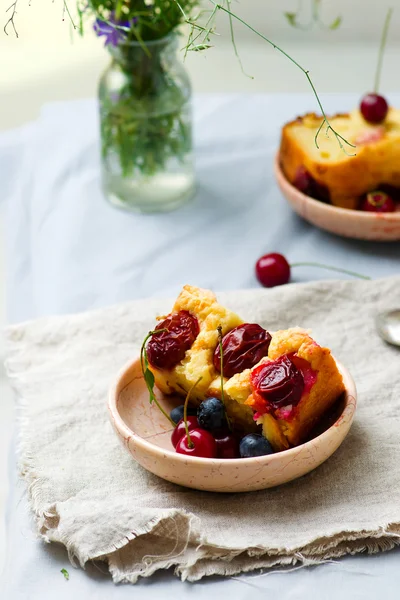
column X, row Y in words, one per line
column 146, row 127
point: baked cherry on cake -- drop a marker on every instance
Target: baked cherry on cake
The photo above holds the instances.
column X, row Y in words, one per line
column 242, row 348
column 291, row 389
column 328, row 173
column 187, row 348
column 275, row 386
column 183, row 353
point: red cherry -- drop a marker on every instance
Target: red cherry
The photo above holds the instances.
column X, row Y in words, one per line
column 303, row 180
column 180, row 429
column 242, row 348
column 279, row 382
column 272, row 269
column 378, row 202
column 374, row 108
column 203, row 444
column 227, row 446
column 166, row 349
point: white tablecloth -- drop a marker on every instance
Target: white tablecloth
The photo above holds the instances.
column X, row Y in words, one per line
column 70, row 251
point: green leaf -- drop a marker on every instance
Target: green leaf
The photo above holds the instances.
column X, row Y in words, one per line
column 149, row 379
column 291, row 18
column 336, row 23
column 200, row 47
column 148, row 375
column 65, row 573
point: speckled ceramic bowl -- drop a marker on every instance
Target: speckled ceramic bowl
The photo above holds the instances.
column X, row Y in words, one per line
column 347, row 223
column 146, row 434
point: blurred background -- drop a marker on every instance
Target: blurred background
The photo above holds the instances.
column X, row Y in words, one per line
column 49, row 62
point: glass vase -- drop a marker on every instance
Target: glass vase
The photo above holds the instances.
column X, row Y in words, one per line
column 146, row 127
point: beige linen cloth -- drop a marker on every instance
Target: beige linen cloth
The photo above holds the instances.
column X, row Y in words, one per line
column 87, row 493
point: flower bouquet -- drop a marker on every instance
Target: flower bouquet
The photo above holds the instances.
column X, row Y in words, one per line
column 145, row 93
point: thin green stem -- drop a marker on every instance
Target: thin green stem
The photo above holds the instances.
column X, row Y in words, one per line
column 185, row 16
column 306, row 73
column 190, row 443
column 166, row 415
column 221, row 368
column 118, row 10
column 330, row 268
column 382, row 46
column 11, row 21
column 221, row 364
column 206, row 30
column 69, row 14
column 141, row 41
column 148, row 375
column 233, row 40
column 315, row 10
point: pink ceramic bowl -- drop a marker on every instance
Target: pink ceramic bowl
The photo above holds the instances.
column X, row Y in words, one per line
column 146, row 434
column 347, row 223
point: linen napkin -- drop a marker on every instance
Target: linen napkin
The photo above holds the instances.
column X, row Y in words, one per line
column 87, row 493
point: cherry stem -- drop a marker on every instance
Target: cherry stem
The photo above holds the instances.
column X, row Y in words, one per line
column 221, row 352
column 219, row 328
column 325, row 122
column 329, row 268
column 148, row 375
column 189, row 439
column 382, row 46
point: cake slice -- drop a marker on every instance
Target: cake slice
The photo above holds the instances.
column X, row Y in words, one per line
column 290, row 390
column 330, row 174
column 180, row 356
column 282, row 385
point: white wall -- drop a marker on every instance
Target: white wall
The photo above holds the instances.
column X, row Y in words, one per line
column 43, row 64
column 362, row 19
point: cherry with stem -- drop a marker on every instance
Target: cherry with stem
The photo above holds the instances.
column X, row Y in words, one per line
column 204, row 34
column 330, row 268
column 273, row 269
column 189, row 439
column 382, row 47
column 374, row 107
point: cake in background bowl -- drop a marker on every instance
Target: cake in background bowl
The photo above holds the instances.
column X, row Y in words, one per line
column 329, row 173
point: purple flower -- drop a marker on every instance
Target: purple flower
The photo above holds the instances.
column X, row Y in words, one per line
column 110, row 29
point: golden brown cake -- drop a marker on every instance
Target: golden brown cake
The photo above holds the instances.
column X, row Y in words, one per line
column 197, row 360
column 337, row 177
column 290, row 383
column 295, row 363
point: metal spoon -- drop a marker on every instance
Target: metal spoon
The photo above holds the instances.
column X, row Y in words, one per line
column 388, row 326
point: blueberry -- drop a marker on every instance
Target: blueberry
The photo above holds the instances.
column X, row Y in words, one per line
column 211, row 414
column 176, row 413
column 254, row 444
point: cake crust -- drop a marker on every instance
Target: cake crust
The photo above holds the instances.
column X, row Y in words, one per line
column 346, row 178
column 319, row 382
column 198, row 360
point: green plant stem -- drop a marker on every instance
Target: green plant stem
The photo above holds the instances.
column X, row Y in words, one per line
column 221, row 367
column 118, row 10
column 149, row 379
column 337, row 269
column 233, row 40
column 13, row 9
column 221, row 352
column 382, row 46
column 315, row 9
column 69, row 14
column 325, row 121
column 189, row 439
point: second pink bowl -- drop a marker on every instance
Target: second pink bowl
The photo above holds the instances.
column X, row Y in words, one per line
column 341, row 221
